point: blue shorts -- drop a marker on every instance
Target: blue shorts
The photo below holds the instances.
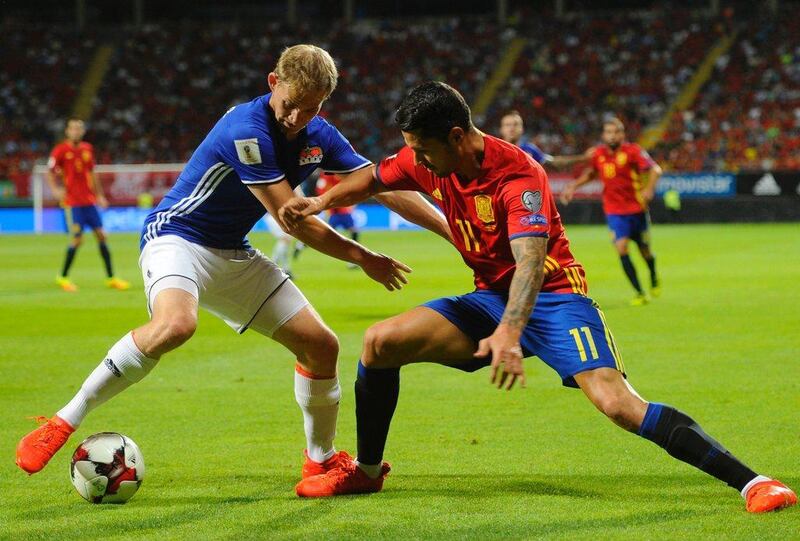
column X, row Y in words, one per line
column 343, row 221
column 632, row 226
column 566, row 331
column 79, row 218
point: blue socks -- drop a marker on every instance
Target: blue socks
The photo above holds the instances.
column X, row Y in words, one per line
column 681, row 437
column 377, row 390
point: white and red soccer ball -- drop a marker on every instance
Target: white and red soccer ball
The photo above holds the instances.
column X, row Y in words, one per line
column 107, row 468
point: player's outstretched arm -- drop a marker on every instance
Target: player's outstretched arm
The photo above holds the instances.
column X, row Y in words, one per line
column 415, row 208
column 564, row 162
column 354, row 188
column 320, row 236
column 587, row 176
column 529, row 254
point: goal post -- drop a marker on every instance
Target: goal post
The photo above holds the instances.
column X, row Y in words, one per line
column 123, row 184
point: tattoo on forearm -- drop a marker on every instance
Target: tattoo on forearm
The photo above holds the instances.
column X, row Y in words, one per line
column 529, row 253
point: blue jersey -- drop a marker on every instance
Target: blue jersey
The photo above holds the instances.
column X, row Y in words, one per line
column 210, row 203
column 535, row 152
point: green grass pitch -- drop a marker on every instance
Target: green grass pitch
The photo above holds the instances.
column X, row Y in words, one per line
column 222, row 435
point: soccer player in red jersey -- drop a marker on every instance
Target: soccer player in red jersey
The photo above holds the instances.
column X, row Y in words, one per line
column 629, row 178
column 340, row 217
column 530, row 298
column 73, row 161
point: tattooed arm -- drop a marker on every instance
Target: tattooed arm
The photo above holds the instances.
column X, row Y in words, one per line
column 529, row 254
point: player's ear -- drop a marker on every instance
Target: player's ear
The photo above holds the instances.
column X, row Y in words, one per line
column 272, row 80
column 456, row 135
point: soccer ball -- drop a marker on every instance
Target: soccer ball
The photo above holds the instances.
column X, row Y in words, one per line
column 107, row 468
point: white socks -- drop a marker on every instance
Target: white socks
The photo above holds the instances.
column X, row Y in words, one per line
column 756, row 479
column 319, row 401
column 123, row 366
column 280, row 253
column 372, row 470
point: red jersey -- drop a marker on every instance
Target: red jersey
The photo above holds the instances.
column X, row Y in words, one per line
column 327, row 181
column 620, row 172
column 74, row 163
column 510, row 199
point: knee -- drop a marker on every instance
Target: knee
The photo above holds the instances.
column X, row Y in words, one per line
column 382, row 345
column 176, row 329
column 77, row 240
column 619, row 409
column 320, row 354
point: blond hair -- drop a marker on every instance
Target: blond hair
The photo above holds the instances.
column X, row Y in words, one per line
column 307, row 68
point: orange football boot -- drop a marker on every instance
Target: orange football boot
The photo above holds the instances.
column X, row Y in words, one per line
column 311, row 468
column 37, row 448
column 347, row 479
column 769, row 496
column 118, row 283
column 66, row 284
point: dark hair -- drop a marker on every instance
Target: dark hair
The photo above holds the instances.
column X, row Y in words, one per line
column 433, row 109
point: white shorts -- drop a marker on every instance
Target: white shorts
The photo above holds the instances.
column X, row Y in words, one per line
column 242, row 287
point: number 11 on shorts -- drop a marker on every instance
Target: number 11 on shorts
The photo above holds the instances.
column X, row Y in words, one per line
column 576, row 334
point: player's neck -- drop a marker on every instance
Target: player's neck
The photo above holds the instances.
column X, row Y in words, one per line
column 471, row 166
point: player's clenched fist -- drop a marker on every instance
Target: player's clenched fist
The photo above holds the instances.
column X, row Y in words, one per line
column 296, row 210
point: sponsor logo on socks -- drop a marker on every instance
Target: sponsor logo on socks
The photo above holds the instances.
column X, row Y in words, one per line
column 111, row 366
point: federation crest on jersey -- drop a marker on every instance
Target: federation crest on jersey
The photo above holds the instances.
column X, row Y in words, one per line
column 532, row 200
column 483, row 207
column 622, row 159
column 86, row 155
column 247, row 150
column 437, row 194
column 310, row 155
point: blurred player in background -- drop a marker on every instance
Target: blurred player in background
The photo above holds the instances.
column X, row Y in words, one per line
column 338, row 218
column 283, row 246
column 629, row 177
column 195, row 253
column 512, row 130
column 72, row 161
column 530, row 299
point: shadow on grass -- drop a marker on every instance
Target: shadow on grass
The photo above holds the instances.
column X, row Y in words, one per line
column 272, row 509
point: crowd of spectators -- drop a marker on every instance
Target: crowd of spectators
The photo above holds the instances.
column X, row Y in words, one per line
column 40, row 71
column 571, row 75
column 747, row 117
column 168, row 84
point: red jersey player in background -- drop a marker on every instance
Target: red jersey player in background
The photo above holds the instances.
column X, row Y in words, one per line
column 73, row 161
column 341, row 217
column 530, row 298
column 629, row 178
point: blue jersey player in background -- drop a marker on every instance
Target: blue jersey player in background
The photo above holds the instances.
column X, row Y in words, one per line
column 195, row 253
column 512, row 130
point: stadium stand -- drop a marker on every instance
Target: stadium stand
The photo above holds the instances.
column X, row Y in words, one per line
column 40, row 72
column 167, row 86
column 747, row 116
column 634, row 64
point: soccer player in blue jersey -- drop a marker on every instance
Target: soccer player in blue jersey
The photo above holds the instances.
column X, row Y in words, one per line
column 512, row 130
column 195, row 253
